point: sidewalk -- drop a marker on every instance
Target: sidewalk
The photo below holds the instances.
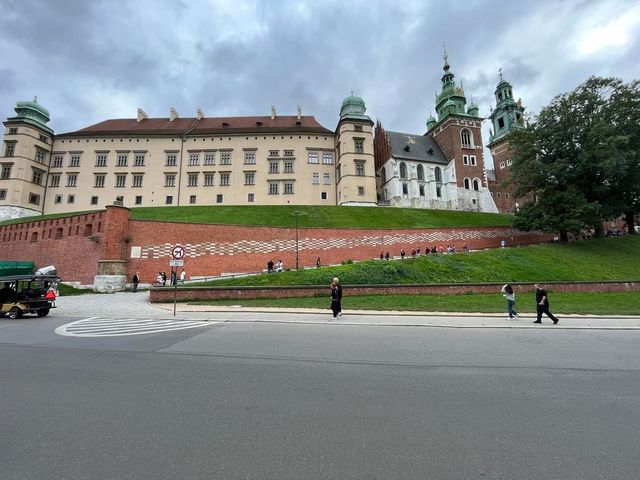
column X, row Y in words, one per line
column 395, row 318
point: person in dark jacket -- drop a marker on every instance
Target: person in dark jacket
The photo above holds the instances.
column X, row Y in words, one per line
column 135, row 281
column 542, row 304
column 336, row 298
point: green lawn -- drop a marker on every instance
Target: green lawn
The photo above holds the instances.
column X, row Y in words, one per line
column 614, row 258
column 625, row 303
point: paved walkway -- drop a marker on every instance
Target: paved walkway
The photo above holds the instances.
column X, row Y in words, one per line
column 136, row 305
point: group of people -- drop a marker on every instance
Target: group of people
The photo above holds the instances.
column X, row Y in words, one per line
column 416, row 252
column 542, row 303
column 161, row 279
column 277, row 267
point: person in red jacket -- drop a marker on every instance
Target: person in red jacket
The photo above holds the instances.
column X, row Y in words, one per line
column 51, row 296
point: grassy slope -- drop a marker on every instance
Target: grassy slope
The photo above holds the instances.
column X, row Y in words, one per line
column 606, row 259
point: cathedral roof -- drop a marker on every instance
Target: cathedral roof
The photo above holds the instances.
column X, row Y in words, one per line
column 204, row 126
column 421, row 148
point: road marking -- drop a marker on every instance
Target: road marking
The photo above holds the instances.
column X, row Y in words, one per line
column 118, row 327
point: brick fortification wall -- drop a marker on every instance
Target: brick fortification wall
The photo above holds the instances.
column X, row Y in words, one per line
column 78, row 244
column 70, row 243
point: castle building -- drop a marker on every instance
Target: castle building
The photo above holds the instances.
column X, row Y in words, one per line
column 261, row 160
column 507, row 116
column 444, row 168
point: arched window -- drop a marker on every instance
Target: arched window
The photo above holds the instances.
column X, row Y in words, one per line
column 420, row 172
column 466, row 137
column 438, row 174
column 383, row 176
column 467, row 183
column 476, row 184
column 403, row 170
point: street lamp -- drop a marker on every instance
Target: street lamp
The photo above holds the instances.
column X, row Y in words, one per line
column 297, row 214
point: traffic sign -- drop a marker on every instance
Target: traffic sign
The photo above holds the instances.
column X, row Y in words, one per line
column 177, row 252
column 176, row 263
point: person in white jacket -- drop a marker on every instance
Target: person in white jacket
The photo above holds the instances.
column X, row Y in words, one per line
column 510, row 295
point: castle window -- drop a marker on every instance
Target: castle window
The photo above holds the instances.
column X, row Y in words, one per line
column 327, row 158
column 123, row 159
column 467, row 184
column 476, row 184
column 360, row 191
column 358, row 144
column 138, row 199
column 3, row 194
column 288, row 153
column 219, row 198
column 34, row 199
column 315, row 178
column 192, row 180
column 288, row 188
column 326, row 179
column 138, row 160
column 501, row 122
column 168, row 200
column 502, row 165
column 323, row 195
column 72, row 180
column 312, row 157
column 99, row 180
column 472, row 159
column 74, row 160
column 54, row 180
column 357, row 128
column 509, row 162
column 250, row 157
column 36, row 176
column 272, row 153
column 273, row 188
column 250, row 198
column 10, row 149
column 94, row 200
column 170, row 180
column 439, row 192
column 13, row 131
column 58, row 199
column 101, row 160
column 194, row 159
column 403, row 170
column 383, row 176
column 274, row 166
column 137, row 180
column 405, row 189
column 209, row 158
column 172, row 160
column 225, row 158
column 57, row 161
column 192, row 199
column 121, row 180
column 71, row 198
column 466, row 138
column 420, row 172
column 438, row 174
column 249, row 178
column 40, row 156
column 465, row 159
column 422, row 190
column 225, row 180
column 359, row 168
column 288, row 166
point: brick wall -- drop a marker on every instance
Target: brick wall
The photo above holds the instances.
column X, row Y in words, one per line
column 212, row 293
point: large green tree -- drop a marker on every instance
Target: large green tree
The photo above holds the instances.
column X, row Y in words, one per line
column 578, row 161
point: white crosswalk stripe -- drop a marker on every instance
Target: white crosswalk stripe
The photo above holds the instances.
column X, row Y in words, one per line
column 116, row 327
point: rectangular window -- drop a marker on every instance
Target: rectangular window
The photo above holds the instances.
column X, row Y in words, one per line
column 44, row 139
column 172, row 159
column 502, row 165
column 357, row 128
column 360, row 169
column 219, row 198
column 138, row 199
column 37, row 175
column 10, row 150
column 327, row 158
column 58, row 199
column 101, row 160
column 94, row 200
column 6, row 172
column 57, row 161
column 99, row 180
column 288, row 153
column 74, row 160
column 323, row 195
column 326, row 179
column 137, row 181
column 249, row 178
column 192, row 180
column 34, row 199
column 168, row 200
column 288, row 166
column 40, row 156
column 273, row 188
column 249, row 158
column 194, row 159
column 509, row 163
column 208, row 179
column 54, row 180
column 472, row 159
column 123, row 159
column 274, row 167
column 313, row 157
column 250, row 198
column 225, row 158
column 465, row 159
column 288, row 188
column 121, row 180
column 405, row 189
column 209, row 158
column 501, row 123
column 315, row 178
column 422, row 190
column 138, row 160
column 72, row 179
column 339, row 172
column 71, row 198
column 225, row 179
column 358, row 145
column 13, row 131
column 361, row 191
column 170, row 180
column 192, row 199
column 274, row 153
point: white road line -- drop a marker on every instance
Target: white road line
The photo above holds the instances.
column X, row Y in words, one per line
column 106, row 327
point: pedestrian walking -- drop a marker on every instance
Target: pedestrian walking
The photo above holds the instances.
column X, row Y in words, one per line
column 336, row 298
column 50, row 296
column 542, row 304
column 510, row 295
column 183, row 277
column 135, row 280
column 318, row 263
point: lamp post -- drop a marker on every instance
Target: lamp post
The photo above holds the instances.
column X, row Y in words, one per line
column 297, row 214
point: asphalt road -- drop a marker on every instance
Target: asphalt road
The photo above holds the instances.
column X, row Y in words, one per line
column 316, row 401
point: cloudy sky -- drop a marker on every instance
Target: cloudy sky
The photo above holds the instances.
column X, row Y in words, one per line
column 88, row 61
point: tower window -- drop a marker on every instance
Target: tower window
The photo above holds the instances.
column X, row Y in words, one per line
column 501, row 122
column 403, row 170
column 360, row 169
column 466, row 138
column 358, row 145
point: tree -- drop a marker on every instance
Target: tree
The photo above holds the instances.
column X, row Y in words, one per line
column 578, row 161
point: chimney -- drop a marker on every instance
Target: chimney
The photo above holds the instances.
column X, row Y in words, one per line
column 141, row 115
column 299, row 112
column 199, row 114
column 273, row 112
column 173, row 114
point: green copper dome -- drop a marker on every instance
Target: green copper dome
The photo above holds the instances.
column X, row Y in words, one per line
column 353, row 107
column 33, row 106
column 473, row 109
column 33, row 113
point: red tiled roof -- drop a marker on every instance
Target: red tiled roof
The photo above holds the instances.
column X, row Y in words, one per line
column 205, row 126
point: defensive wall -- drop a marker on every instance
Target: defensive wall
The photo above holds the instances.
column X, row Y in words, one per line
column 109, row 242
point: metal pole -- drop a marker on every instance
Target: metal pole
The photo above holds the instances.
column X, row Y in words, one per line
column 297, row 213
